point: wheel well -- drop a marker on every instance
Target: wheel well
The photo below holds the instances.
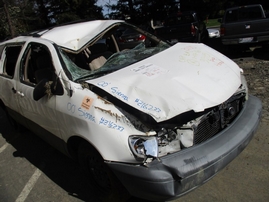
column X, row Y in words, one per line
column 73, row 144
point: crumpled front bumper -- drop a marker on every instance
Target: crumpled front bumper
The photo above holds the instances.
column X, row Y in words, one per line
column 180, row 172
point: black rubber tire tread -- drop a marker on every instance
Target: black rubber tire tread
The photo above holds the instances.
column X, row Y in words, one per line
column 108, row 187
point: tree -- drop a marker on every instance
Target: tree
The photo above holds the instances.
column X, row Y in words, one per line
column 16, row 15
column 26, row 15
column 9, row 21
column 63, row 11
column 141, row 11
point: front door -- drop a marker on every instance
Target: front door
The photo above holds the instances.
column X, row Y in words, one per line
column 37, row 64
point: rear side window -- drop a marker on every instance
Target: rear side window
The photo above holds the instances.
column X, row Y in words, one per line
column 244, row 13
column 10, row 56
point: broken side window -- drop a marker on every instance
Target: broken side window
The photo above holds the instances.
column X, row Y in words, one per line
column 37, row 64
column 10, row 60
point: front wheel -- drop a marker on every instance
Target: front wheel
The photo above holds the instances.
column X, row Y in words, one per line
column 107, row 185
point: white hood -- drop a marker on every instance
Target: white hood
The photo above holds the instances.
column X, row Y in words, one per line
column 184, row 77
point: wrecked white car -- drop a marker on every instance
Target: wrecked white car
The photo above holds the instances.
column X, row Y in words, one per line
column 158, row 119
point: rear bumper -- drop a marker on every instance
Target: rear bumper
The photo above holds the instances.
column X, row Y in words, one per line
column 236, row 41
column 183, row 171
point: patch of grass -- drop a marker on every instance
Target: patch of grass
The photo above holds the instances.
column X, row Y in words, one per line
column 212, row 23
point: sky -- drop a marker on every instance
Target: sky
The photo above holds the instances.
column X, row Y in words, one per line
column 103, row 2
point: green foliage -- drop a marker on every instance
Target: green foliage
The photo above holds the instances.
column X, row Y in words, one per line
column 212, row 22
column 16, row 17
column 71, row 10
column 27, row 15
column 141, row 10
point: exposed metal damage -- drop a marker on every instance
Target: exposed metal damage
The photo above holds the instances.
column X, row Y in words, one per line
column 172, row 135
column 109, row 112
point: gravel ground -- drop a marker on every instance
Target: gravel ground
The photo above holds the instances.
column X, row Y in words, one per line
column 257, row 75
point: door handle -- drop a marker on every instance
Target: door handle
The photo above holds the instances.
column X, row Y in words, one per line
column 18, row 92
column 21, row 94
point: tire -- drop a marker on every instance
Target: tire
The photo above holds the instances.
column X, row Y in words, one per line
column 101, row 177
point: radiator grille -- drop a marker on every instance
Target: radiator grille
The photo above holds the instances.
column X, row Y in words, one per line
column 206, row 129
column 218, row 119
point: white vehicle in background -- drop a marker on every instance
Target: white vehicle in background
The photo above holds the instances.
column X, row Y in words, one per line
column 156, row 120
column 213, row 33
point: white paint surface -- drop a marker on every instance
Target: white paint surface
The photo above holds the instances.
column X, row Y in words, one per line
column 182, row 78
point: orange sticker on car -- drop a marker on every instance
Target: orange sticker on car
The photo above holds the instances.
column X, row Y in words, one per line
column 87, row 102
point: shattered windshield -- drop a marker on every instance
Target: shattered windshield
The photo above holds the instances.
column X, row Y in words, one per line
column 75, row 71
column 113, row 50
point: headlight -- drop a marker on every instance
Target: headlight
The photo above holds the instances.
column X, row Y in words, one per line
column 144, row 147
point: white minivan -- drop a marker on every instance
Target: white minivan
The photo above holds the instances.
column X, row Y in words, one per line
column 144, row 116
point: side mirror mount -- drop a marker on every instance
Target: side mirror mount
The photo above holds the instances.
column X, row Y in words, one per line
column 57, row 88
column 46, row 87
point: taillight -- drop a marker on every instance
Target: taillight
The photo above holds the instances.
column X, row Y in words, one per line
column 222, row 31
column 193, row 30
column 141, row 37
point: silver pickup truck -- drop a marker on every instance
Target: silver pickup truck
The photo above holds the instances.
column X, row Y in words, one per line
column 245, row 25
